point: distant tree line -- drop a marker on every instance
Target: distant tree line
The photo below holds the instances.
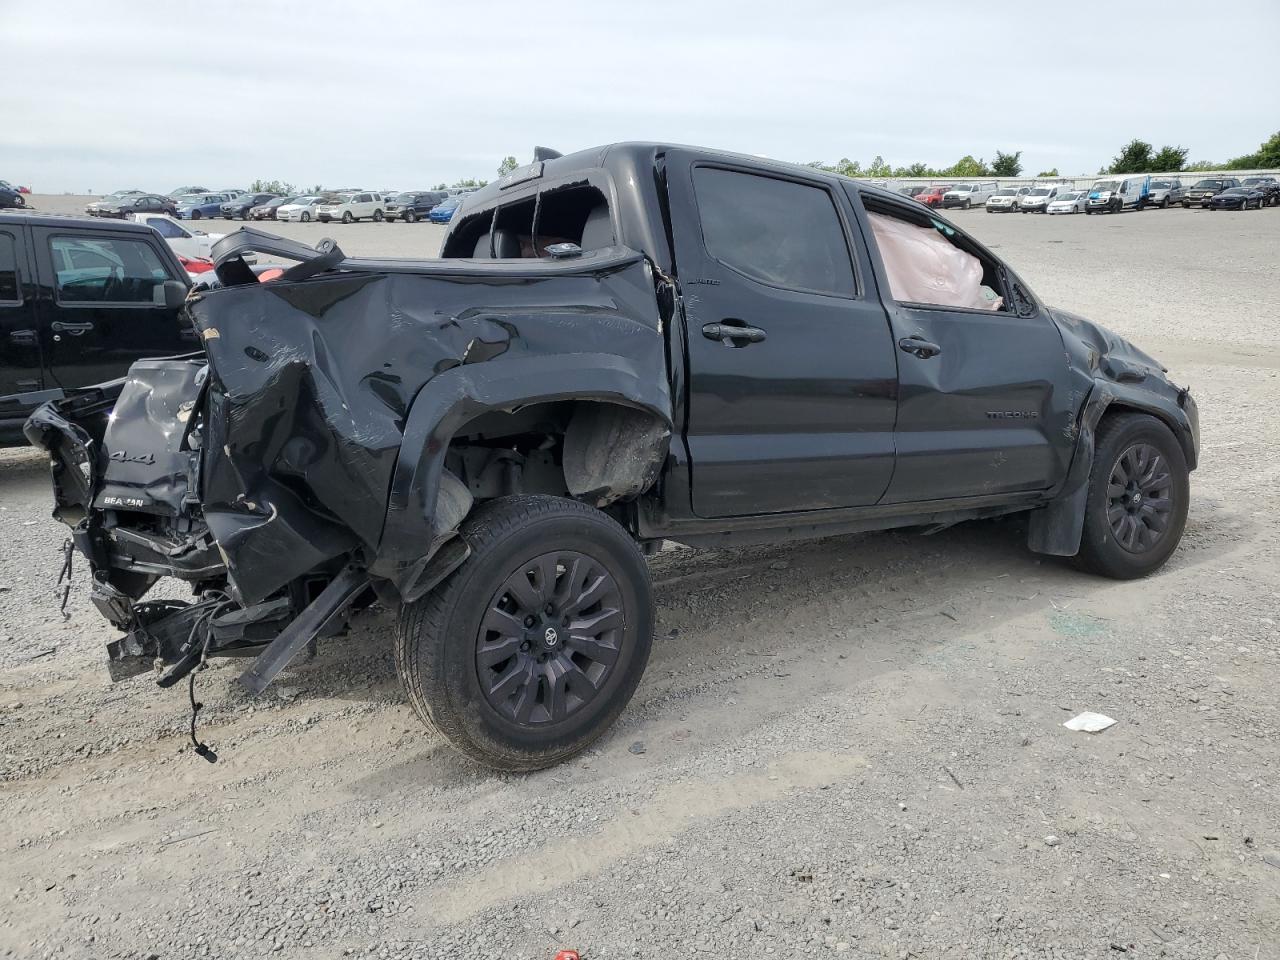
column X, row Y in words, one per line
column 1137, row 156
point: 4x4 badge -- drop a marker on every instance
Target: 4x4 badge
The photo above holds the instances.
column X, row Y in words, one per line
column 123, row 456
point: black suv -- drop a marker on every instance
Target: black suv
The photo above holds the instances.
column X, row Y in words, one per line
column 241, row 205
column 410, row 207
column 80, row 300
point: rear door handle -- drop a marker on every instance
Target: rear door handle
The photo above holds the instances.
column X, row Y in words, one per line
column 919, row 347
column 75, row 329
column 729, row 333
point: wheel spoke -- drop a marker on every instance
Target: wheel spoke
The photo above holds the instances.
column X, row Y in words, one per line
column 502, row 623
column 598, row 585
column 514, row 678
column 1115, row 491
column 555, row 685
column 592, row 648
column 495, row 652
column 523, row 591
column 609, row 618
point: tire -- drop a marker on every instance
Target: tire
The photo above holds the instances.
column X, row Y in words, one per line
column 306, row 217
column 195, row 214
column 410, row 216
column 347, row 217
column 377, row 216
column 442, row 638
column 1119, row 473
column 1164, row 204
column 967, row 204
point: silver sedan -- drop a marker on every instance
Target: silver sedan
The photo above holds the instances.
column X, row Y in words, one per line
column 1073, row 202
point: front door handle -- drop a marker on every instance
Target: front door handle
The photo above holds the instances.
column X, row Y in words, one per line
column 730, row 333
column 919, row 347
column 75, row 329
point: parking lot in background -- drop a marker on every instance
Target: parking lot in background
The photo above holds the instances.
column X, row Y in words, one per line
column 848, row 746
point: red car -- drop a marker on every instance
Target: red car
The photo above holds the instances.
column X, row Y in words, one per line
column 931, row 196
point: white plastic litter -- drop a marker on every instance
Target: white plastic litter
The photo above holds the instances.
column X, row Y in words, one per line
column 1089, row 722
column 925, row 267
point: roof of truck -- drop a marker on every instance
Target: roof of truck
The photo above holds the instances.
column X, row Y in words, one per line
column 72, row 220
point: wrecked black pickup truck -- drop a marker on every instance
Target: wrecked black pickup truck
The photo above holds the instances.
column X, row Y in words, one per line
column 622, row 346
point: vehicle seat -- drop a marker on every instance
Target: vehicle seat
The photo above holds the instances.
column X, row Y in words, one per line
column 506, row 246
column 597, row 232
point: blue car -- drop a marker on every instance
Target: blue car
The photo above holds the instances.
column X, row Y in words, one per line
column 443, row 212
column 201, row 206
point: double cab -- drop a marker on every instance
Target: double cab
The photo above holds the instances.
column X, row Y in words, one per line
column 627, row 345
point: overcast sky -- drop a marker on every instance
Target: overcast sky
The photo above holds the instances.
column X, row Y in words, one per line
column 153, row 94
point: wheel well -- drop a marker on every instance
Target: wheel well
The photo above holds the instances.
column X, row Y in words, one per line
column 1118, row 408
column 596, row 451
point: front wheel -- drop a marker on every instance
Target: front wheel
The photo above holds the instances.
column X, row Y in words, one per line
column 347, row 217
column 1139, row 490
column 377, row 216
column 195, row 214
column 306, row 217
column 410, row 216
column 528, row 652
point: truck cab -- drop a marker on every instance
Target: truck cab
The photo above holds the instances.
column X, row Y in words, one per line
column 80, row 301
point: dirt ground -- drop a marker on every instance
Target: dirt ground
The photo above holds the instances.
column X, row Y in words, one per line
column 848, row 746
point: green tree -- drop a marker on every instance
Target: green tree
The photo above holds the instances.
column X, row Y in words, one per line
column 966, row 166
column 917, row 170
column 1169, row 160
column 1267, row 156
column 279, row 187
column 1134, row 158
column 470, row 182
column 879, row 170
column 507, row 165
column 1007, row 164
column 1202, row 166
column 1049, row 173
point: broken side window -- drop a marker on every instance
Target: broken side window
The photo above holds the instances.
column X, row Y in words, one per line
column 525, row 227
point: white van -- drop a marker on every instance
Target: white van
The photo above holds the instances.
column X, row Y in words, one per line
column 968, row 195
column 1113, row 194
column 1037, row 199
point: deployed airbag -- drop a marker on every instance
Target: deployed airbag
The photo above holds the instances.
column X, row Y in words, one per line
column 925, row 267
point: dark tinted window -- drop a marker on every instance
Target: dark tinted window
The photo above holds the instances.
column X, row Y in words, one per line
column 106, row 270
column 775, row 231
column 10, row 292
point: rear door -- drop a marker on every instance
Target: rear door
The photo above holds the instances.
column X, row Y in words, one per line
column 106, row 308
column 20, row 366
column 791, row 369
column 984, row 403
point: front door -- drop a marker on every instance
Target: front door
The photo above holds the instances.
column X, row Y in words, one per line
column 984, row 403
column 107, row 306
column 19, row 333
column 792, row 374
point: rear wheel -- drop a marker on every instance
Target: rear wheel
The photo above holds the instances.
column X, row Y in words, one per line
column 1139, row 490
column 528, row 652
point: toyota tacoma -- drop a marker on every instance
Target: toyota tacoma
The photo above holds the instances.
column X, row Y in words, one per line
column 618, row 347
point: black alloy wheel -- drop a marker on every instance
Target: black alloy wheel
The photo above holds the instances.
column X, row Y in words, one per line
column 1138, row 498
column 549, row 638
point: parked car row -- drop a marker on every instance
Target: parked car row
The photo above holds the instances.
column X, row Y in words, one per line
column 1113, row 194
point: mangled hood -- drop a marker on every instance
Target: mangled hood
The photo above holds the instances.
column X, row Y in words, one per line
column 1102, row 353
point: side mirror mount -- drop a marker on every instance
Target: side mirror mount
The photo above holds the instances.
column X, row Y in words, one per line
column 175, row 294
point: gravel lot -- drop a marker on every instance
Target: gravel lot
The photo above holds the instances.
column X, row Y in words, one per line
column 849, row 746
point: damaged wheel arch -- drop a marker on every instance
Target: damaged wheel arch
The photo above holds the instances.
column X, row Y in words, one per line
column 615, row 442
